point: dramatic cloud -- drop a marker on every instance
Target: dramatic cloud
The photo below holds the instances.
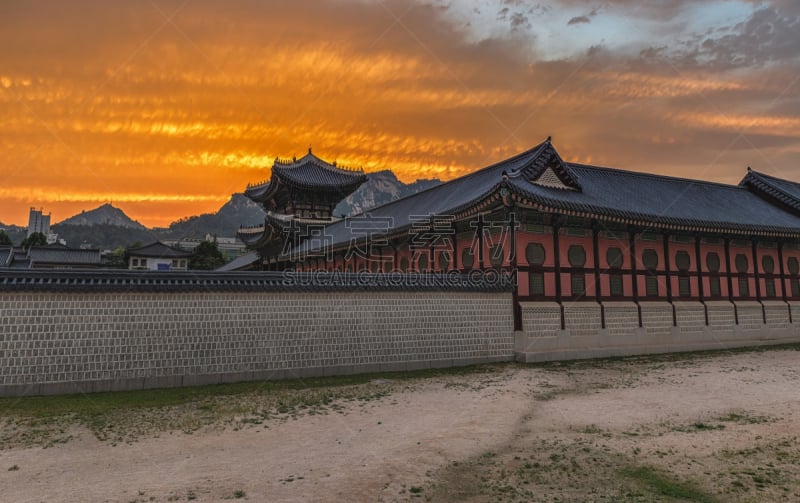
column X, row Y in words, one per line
column 166, row 108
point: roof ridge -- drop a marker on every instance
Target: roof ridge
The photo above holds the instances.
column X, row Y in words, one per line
column 468, row 175
column 652, row 175
column 761, row 174
column 322, row 163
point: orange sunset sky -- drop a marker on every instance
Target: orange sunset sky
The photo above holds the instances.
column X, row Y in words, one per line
column 166, row 108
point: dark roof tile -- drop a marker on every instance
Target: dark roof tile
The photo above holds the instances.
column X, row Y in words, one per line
column 158, row 250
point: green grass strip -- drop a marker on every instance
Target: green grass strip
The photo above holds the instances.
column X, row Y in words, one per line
column 665, row 486
column 104, row 402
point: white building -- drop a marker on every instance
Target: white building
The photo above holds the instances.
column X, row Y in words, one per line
column 38, row 222
column 158, row 257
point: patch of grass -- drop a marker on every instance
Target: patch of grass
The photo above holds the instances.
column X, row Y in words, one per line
column 119, row 417
column 666, row 486
column 698, row 426
column 13, row 468
column 100, row 403
column 745, row 418
column 239, row 494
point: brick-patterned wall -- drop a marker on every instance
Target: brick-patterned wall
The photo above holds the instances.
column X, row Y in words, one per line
column 658, row 334
column 657, row 318
column 541, row 319
column 582, row 318
column 622, row 318
column 690, row 316
column 751, row 315
column 777, row 313
column 721, row 315
column 80, row 341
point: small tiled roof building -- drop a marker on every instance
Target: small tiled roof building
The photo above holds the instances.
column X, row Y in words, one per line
column 158, row 257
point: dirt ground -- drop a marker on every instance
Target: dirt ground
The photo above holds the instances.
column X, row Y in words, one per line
column 706, row 427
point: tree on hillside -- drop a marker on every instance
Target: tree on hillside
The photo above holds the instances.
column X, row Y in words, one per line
column 4, row 239
column 35, row 239
column 206, row 256
column 118, row 258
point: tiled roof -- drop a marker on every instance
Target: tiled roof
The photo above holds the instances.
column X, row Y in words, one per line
column 243, row 262
column 248, row 281
column 661, row 201
column 782, row 191
column 308, row 172
column 598, row 192
column 158, row 250
column 445, row 199
column 63, row 255
column 6, row 255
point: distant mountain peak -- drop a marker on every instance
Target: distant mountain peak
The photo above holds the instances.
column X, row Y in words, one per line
column 380, row 188
column 105, row 214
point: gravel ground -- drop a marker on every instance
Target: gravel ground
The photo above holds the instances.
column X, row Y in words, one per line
column 706, row 427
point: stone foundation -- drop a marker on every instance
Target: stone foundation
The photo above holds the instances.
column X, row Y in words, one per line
column 658, row 333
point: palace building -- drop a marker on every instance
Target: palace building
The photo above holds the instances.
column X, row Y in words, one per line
column 299, row 199
column 579, row 239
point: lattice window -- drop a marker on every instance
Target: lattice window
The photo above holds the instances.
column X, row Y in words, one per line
column 713, row 263
column 744, row 287
column 614, row 257
column 684, row 287
column 650, row 262
column 684, row 262
column 577, row 258
column 651, row 286
column 422, row 263
column 536, row 283
column 615, row 281
column 578, row 283
column 535, row 254
column 444, row 260
column 742, row 264
column 496, row 255
column 768, row 266
column 467, row 258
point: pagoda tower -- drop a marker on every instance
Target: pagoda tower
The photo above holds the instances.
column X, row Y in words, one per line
column 299, row 199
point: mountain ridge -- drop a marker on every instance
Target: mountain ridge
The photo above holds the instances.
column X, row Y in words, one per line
column 109, row 227
column 105, row 214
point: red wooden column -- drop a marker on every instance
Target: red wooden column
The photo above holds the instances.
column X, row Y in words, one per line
column 480, row 241
column 634, row 271
column 512, row 224
column 698, row 264
column 669, row 278
column 556, row 224
column 454, row 246
column 758, row 279
column 596, row 264
column 782, row 272
column 730, row 278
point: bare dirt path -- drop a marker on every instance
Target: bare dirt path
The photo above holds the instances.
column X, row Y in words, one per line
column 723, row 427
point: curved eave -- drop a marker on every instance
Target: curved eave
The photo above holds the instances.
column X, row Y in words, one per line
column 481, row 204
column 255, row 237
column 764, row 186
column 262, row 192
column 549, row 205
column 356, row 180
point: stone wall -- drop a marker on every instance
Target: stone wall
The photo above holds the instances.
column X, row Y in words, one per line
column 66, row 342
column 666, row 327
